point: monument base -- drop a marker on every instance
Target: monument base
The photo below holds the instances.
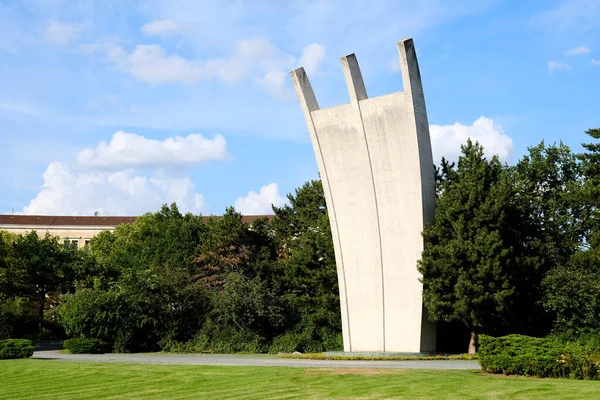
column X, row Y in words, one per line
column 378, row 354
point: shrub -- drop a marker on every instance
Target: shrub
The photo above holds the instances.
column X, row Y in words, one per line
column 218, row 339
column 15, row 348
column 84, row 346
column 309, row 340
column 286, row 343
column 13, row 316
column 541, row 357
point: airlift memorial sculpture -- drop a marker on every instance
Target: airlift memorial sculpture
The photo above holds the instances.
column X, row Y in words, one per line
column 375, row 161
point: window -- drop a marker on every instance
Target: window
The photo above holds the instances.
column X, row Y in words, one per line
column 87, row 243
column 71, row 243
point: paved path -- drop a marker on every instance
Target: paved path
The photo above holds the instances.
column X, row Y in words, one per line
column 250, row 360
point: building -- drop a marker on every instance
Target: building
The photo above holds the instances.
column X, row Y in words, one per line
column 76, row 231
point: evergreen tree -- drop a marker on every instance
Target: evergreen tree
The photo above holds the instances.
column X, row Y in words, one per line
column 467, row 264
column 306, row 254
column 590, row 192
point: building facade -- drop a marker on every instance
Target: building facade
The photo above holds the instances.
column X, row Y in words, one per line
column 75, row 231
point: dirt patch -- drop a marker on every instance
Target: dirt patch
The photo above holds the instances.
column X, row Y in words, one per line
column 355, row 371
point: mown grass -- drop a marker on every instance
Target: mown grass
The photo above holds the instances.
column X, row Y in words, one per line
column 47, row 379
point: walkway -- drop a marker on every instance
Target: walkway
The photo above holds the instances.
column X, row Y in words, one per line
column 254, row 360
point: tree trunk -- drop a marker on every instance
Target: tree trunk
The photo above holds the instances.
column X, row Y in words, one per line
column 41, row 313
column 473, row 342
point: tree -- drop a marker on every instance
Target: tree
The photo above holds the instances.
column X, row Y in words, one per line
column 467, row 264
column 223, row 248
column 589, row 195
column 13, row 307
column 571, row 288
column 306, row 256
column 546, row 180
column 9, row 274
column 547, row 227
column 138, row 287
column 44, row 265
column 571, row 294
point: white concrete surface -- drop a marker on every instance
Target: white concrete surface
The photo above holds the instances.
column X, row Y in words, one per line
column 375, row 160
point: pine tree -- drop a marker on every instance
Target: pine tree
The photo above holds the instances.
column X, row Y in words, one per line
column 467, row 264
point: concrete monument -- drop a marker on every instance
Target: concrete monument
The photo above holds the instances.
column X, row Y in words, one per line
column 374, row 157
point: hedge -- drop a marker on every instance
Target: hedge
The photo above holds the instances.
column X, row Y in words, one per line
column 84, row 346
column 15, row 348
column 541, row 357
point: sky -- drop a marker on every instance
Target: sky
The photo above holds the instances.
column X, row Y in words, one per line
column 120, row 106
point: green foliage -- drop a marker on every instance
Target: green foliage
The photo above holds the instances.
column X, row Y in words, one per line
column 541, row 357
column 15, row 348
column 93, row 313
column 45, row 267
column 547, row 228
column 246, row 303
column 307, row 341
column 468, row 263
column 144, row 288
column 306, row 256
column 222, row 339
column 83, row 346
column 589, row 194
column 546, row 181
column 571, row 293
column 13, row 316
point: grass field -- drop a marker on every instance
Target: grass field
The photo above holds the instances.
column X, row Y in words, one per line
column 46, row 379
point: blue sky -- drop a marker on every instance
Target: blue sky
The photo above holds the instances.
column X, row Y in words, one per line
column 119, row 106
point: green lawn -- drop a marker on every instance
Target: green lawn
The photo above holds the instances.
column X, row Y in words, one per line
column 46, row 379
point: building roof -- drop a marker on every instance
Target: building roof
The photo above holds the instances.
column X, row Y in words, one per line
column 54, row 220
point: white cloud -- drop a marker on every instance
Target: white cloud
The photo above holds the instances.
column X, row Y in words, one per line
column 274, row 83
column 447, row 139
column 595, row 62
column 557, row 66
column 260, row 203
column 577, row 50
column 256, row 57
column 107, row 178
column 313, row 56
column 150, row 63
column 18, row 107
column 58, row 33
column 66, row 192
column 127, row 150
column 161, row 27
column 394, row 65
column 574, row 16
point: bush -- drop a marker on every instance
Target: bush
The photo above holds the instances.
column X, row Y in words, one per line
column 15, row 348
column 287, row 343
column 541, row 357
column 218, row 339
column 84, row 346
column 13, row 316
column 309, row 340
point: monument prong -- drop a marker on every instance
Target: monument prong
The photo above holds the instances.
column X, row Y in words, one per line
column 409, row 66
column 354, row 80
column 306, row 95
